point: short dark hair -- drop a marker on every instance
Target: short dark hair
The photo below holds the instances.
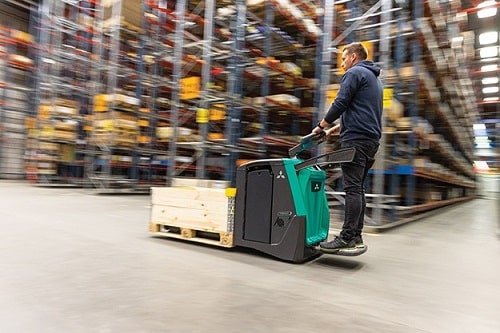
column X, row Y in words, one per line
column 357, row 48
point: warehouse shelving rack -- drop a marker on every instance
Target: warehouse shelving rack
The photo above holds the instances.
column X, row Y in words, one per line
column 115, row 159
column 236, row 68
column 64, row 35
column 163, row 42
column 268, row 50
column 154, row 88
column 426, row 152
column 246, row 104
column 16, row 74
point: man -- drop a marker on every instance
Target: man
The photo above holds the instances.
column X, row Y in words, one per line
column 359, row 106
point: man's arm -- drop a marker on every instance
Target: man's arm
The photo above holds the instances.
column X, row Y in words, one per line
column 348, row 88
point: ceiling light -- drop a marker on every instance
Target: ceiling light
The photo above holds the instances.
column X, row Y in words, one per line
column 489, row 68
column 488, row 37
column 486, row 3
column 488, row 52
column 481, row 165
column 479, row 126
column 482, row 142
column 490, row 90
column 490, row 99
column 490, row 80
column 487, row 11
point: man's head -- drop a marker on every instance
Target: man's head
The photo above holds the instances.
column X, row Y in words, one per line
column 352, row 54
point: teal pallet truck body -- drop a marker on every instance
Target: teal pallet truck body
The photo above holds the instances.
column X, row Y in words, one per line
column 281, row 207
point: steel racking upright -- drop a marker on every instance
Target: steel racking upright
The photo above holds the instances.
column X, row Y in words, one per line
column 153, row 89
column 16, row 72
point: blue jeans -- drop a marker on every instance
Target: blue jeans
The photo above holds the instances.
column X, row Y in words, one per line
column 354, row 175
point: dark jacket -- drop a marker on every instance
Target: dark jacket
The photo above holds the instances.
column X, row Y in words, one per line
column 359, row 103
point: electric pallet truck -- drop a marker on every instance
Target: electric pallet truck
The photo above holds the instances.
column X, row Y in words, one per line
column 281, row 207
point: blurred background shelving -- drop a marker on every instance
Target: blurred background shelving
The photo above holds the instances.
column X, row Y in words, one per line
column 132, row 93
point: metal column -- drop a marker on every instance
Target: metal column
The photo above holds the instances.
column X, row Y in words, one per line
column 384, row 60
column 233, row 118
column 205, row 79
column 176, row 81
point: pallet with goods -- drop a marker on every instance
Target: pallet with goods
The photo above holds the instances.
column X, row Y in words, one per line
column 16, row 75
column 65, row 44
column 195, row 210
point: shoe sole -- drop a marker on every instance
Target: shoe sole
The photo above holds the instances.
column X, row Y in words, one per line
column 349, row 252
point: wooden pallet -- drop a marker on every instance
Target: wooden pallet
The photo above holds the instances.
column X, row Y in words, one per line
column 218, row 238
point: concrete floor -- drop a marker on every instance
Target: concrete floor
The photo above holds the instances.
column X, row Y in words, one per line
column 73, row 261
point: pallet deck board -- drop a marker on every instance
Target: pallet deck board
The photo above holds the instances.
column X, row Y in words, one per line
column 218, row 238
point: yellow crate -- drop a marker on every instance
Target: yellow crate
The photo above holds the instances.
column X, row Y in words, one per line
column 30, row 122
column 98, row 108
column 143, row 122
column 44, row 111
column 215, row 136
column 216, row 114
column 102, row 99
column 143, row 139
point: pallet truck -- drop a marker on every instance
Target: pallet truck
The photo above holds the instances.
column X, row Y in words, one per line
column 281, row 207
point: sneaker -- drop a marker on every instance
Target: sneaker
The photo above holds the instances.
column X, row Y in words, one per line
column 358, row 241
column 336, row 245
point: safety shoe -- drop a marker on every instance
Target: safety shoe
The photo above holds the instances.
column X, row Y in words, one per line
column 336, row 245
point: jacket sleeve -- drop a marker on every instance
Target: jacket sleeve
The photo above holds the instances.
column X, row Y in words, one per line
column 348, row 87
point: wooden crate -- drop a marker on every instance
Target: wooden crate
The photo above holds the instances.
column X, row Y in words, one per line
column 193, row 213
